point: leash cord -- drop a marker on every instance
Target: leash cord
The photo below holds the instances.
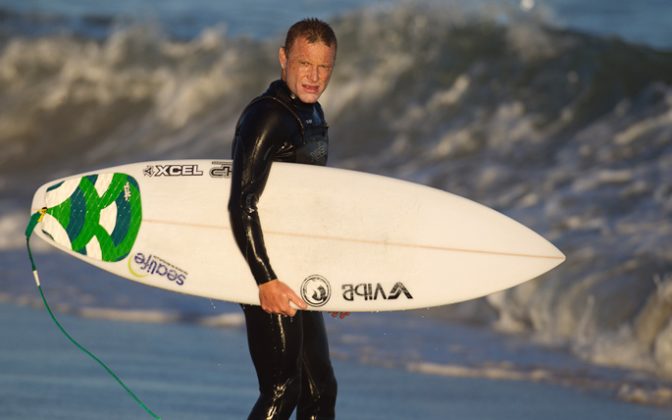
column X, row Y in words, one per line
column 34, row 220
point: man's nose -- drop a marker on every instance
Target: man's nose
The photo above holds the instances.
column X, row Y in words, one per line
column 314, row 74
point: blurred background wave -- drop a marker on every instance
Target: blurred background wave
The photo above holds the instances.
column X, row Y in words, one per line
column 557, row 113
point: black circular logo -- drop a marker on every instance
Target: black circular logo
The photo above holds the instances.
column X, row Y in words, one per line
column 315, row 290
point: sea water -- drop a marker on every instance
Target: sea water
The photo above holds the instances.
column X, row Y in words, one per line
column 195, row 372
column 557, row 113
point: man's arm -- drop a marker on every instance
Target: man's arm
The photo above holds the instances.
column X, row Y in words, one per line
column 261, row 132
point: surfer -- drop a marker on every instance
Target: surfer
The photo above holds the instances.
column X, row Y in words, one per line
column 289, row 348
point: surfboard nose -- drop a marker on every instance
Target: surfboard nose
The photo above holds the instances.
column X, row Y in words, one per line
column 556, row 258
column 559, row 255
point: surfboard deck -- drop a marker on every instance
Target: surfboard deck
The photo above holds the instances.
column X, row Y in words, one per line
column 343, row 240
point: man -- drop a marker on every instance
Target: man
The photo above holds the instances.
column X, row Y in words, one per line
column 289, row 348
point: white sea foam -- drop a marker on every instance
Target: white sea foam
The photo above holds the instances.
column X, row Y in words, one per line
column 159, row 316
column 12, row 226
column 12, row 233
column 503, row 372
column 632, row 391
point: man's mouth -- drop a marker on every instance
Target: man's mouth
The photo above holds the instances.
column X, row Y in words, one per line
column 311, row 89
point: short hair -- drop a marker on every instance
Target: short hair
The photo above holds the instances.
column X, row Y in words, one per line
column 313, row 30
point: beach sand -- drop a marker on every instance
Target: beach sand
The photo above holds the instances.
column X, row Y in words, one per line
column 186, row 371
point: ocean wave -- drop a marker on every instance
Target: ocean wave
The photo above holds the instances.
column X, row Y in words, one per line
column 226, row 320
column 566, row 132
column 639, row 392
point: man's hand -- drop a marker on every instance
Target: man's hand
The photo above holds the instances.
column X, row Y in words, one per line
column 275, row 297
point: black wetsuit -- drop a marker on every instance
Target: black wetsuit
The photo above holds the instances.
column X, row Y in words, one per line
column 290, row 354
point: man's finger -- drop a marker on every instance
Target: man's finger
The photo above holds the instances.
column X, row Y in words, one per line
column 290, row 311
column 294, row 299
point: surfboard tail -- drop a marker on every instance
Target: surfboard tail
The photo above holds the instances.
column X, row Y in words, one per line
column 97, row 215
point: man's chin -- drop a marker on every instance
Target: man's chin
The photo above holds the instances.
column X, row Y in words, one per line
column 309, row 97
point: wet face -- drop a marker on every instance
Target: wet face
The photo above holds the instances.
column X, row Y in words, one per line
column 306, row 68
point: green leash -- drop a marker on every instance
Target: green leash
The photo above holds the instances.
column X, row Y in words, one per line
column 34, row 220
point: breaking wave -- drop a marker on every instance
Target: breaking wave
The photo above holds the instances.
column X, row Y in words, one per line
column 566, row 132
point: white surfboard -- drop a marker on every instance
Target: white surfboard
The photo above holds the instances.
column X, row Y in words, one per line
column 343, row 240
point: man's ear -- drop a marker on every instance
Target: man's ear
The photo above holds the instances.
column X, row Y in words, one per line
column 282, row 58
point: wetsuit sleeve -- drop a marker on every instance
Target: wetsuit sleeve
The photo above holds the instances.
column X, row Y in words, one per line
column 260, row 133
